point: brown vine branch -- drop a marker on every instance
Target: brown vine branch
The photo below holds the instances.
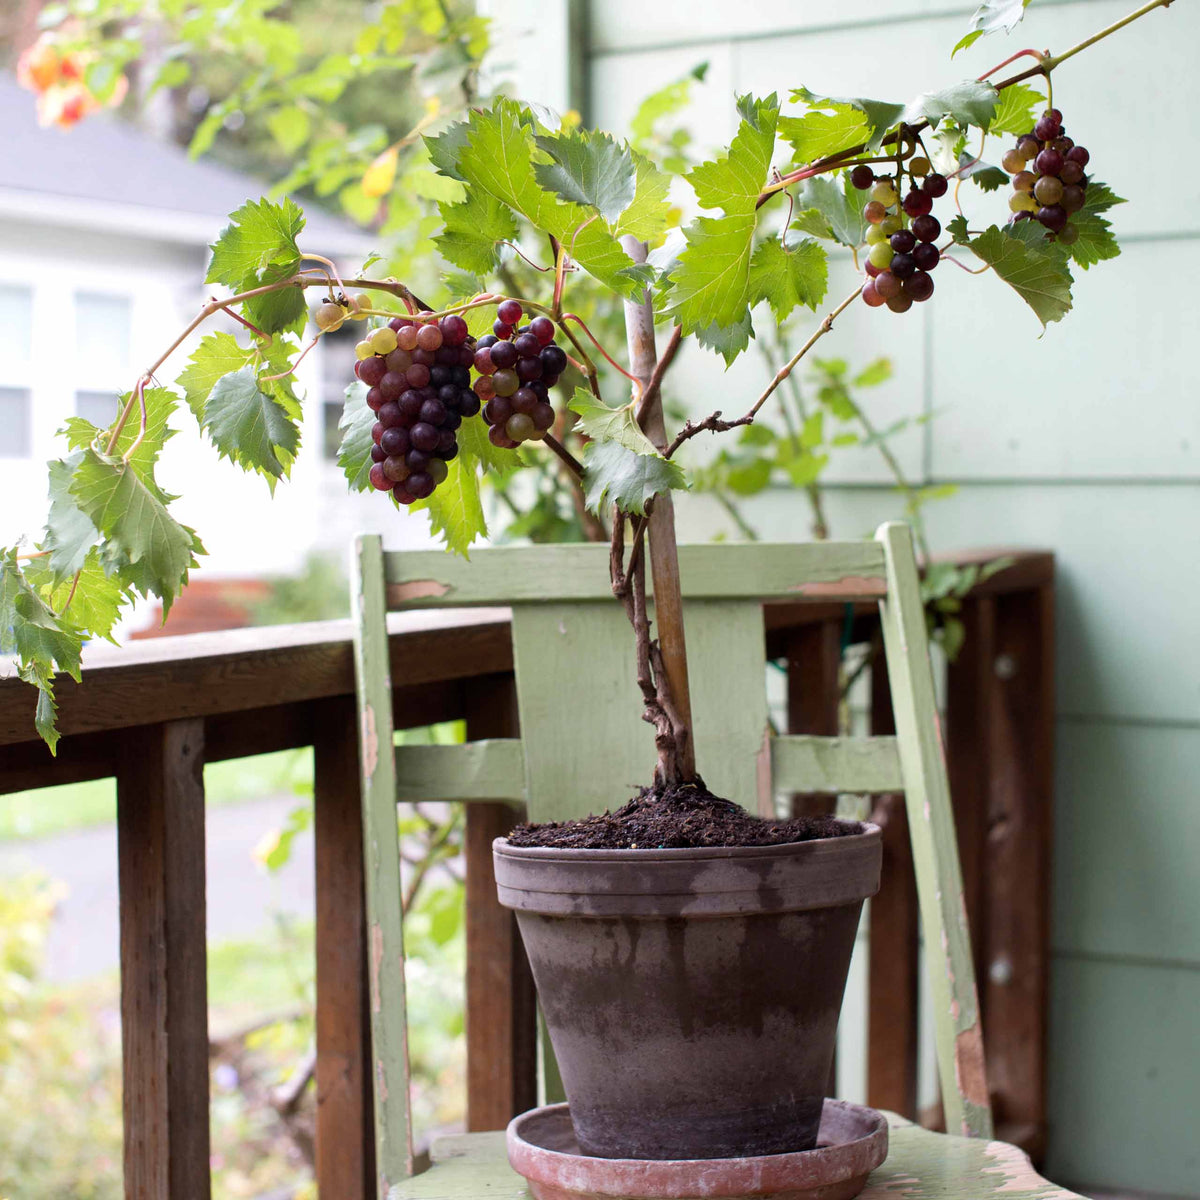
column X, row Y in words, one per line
column 576, row 467
column 650, row 394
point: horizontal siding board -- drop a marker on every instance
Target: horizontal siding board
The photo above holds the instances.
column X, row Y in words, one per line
column 1124, row 1089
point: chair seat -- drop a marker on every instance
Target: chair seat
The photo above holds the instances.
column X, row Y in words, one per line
column 920, row 1166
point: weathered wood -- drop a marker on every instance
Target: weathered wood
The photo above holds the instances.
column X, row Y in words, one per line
column 381, row 855
column 795, row 571
column 164, row 990
column 501, row 1002
column 893, row 962
column 814, row 661
column 345, row 1143
column 825, row 766
column 920, row 1166
column 485, row 770
column 951, row 972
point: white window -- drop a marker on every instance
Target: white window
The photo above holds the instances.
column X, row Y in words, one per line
column 16, row 371
column 103, row 354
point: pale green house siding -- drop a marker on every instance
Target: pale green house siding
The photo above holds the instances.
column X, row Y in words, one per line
column 1086, row 442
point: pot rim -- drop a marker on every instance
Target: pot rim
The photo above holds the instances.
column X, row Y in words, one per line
column 501, row 845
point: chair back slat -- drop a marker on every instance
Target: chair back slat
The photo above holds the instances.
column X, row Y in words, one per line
column 492, row 770
column 830, row 765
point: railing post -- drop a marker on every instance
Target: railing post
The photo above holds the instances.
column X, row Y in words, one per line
column 345, row 1145
column 164, row 991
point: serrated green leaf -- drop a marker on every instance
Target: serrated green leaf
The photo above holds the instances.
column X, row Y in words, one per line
column 599, row 421
column 1021, row 258
column 218, row 355
column 28, row 628
column 728, row 340
column 250, row 427
column 1015, row 110
column 473, row 445
column 972, row 102
column 45, row 714
column 70, row 533
column 990, row 16
column 445, row 147
column 810, row 221
column 987, row 177
column 96, row 599
column 455, row 509
column 128, row 512
column 260, row 235
column 474, row 230
column 1095, row 242
column 355, row 425
column 840, row 204
column 957, row 228
column 613, row 474
column 710, row 284
column 825, row 129
column 587, row 167
column 498, row 158
column 282, row 311
column 880, row 115
column 648, row 216
column 788, row 277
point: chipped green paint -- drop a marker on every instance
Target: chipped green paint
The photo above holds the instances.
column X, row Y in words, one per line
column 802, row 763
column 935, row 848
column 920, row 1166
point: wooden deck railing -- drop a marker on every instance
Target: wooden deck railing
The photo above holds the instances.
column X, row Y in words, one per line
column 154, row 713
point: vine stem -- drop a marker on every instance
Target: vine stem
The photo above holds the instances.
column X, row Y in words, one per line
column 575, row 466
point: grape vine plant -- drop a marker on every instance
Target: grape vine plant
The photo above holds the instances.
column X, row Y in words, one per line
column 473, row 386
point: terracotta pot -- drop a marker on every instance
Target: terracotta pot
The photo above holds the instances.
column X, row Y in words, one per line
column 692, row 996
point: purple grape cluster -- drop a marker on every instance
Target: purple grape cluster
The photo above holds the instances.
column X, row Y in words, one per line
column 517, row 365
column 418, row 376
column 900, row 233
column 1049, row 184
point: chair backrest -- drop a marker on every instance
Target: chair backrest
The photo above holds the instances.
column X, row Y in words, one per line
column 583, row 745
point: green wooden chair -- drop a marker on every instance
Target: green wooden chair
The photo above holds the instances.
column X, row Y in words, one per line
column 572, row 650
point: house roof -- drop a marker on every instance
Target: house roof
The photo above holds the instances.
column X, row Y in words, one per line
column 106, row 174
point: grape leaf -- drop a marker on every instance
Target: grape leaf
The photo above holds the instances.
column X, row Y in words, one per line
column 282, row 311
column 498, row 158
column 710, row 284
column 45, row 715
column 614, row 474
column 260, row 234
column 826, row 129
column 588, row 167
column 599, row 421
column 971, row 102
column 727, row 340
column 879, row 115
column 455, row 509
column 445, row 148
column 70, row 533
column 1096, row 241
column 128, row 512
column 355, row 425
column 250, row 427
column 648, row 216
column 787, row 277
column 218, row 355
column 958, row 230
column 810, row 221
column 987, row 177
column 840, row 205
column 28, row 628
column 473, row 445
column 991, row 16
column 1015, row 110
column 474, row 230
column 96, row 599
column 1021, row 257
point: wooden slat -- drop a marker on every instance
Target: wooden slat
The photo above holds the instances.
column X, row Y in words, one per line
column 345, row 1145
column 959, row 1035
column 814, row 663
column 829, row 765
column 485, row 770
column 818, row 571
column 381, row 856
column 164, row 991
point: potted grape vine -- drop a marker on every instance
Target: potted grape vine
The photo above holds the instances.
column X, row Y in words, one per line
column 682, row 908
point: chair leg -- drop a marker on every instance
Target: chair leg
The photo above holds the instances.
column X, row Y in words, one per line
column 959, row 1034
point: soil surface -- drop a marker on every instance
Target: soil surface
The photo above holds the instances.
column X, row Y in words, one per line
column 685, row 816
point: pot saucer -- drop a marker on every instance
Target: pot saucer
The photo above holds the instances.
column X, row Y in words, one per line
column 852, row 1142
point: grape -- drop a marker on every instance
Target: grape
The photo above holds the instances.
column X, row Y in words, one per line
column 1077, row 154
column 429, row 337
column 398, row 323
column 372, row 370
column 919, row 286
column 452, row 420
column 887, row 285
column 501, row 330
column 483, row 361
column 395, row 468
column 874, row 212
column 406, row 337
column 483, row 387
column 543, row 416
column 424, row 437
column 377, row 454
column 437, row 470
column 1055, row 115
column 358, row 305
column 875, row 235
column 1022, row 216
column 1029, row 147
column 505, row 382
column 529, row 369
column 488, row 339
column 926, row 256
column 935, row 185
column 871, row 269
column 903, row 240
column 390, row 414
column 862, row 177
column 418, row 375
column 379, row 480
column 519, row 427
column 524, row 400
column 420, row 484
column 881, row 255
column 392, row 384
column 926, row 228
column 870, row 296
column 446, row 442
column 1048, row 190
column 918, row 165
column 410, row 404
column 383, row 339
column 498, row 410
column 510, row 312
column 1053, row 217
column 402, row 494
column 377, row 431
column 439, row 376
column 1020, row 202
column 329, row 316
column 554, row 361
column 1068, row 235
column 890, row 225
column 469, row 404
column 542, row 328
column 394, row 441
column 1072, row 198
column 1062, row 145
column 900, row 303
column 454, row 330
column 417, row 460
column 1072, row 172
column 363, row 350
column 527, row 345
column 374, row 399
column 433, row 412
column 426, row 358
column 903, row 266
column 917, row 204
column 885, row 192
column 1047, row 128
column 504, row 354
column 1049, row 162
column 1013, row 161
column 398, row 360
column 498, row 437
column 1023, row 181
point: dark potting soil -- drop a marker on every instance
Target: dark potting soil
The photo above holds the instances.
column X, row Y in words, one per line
column 684, row 816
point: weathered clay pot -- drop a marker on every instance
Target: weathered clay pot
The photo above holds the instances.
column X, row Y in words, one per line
column 692, row 996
